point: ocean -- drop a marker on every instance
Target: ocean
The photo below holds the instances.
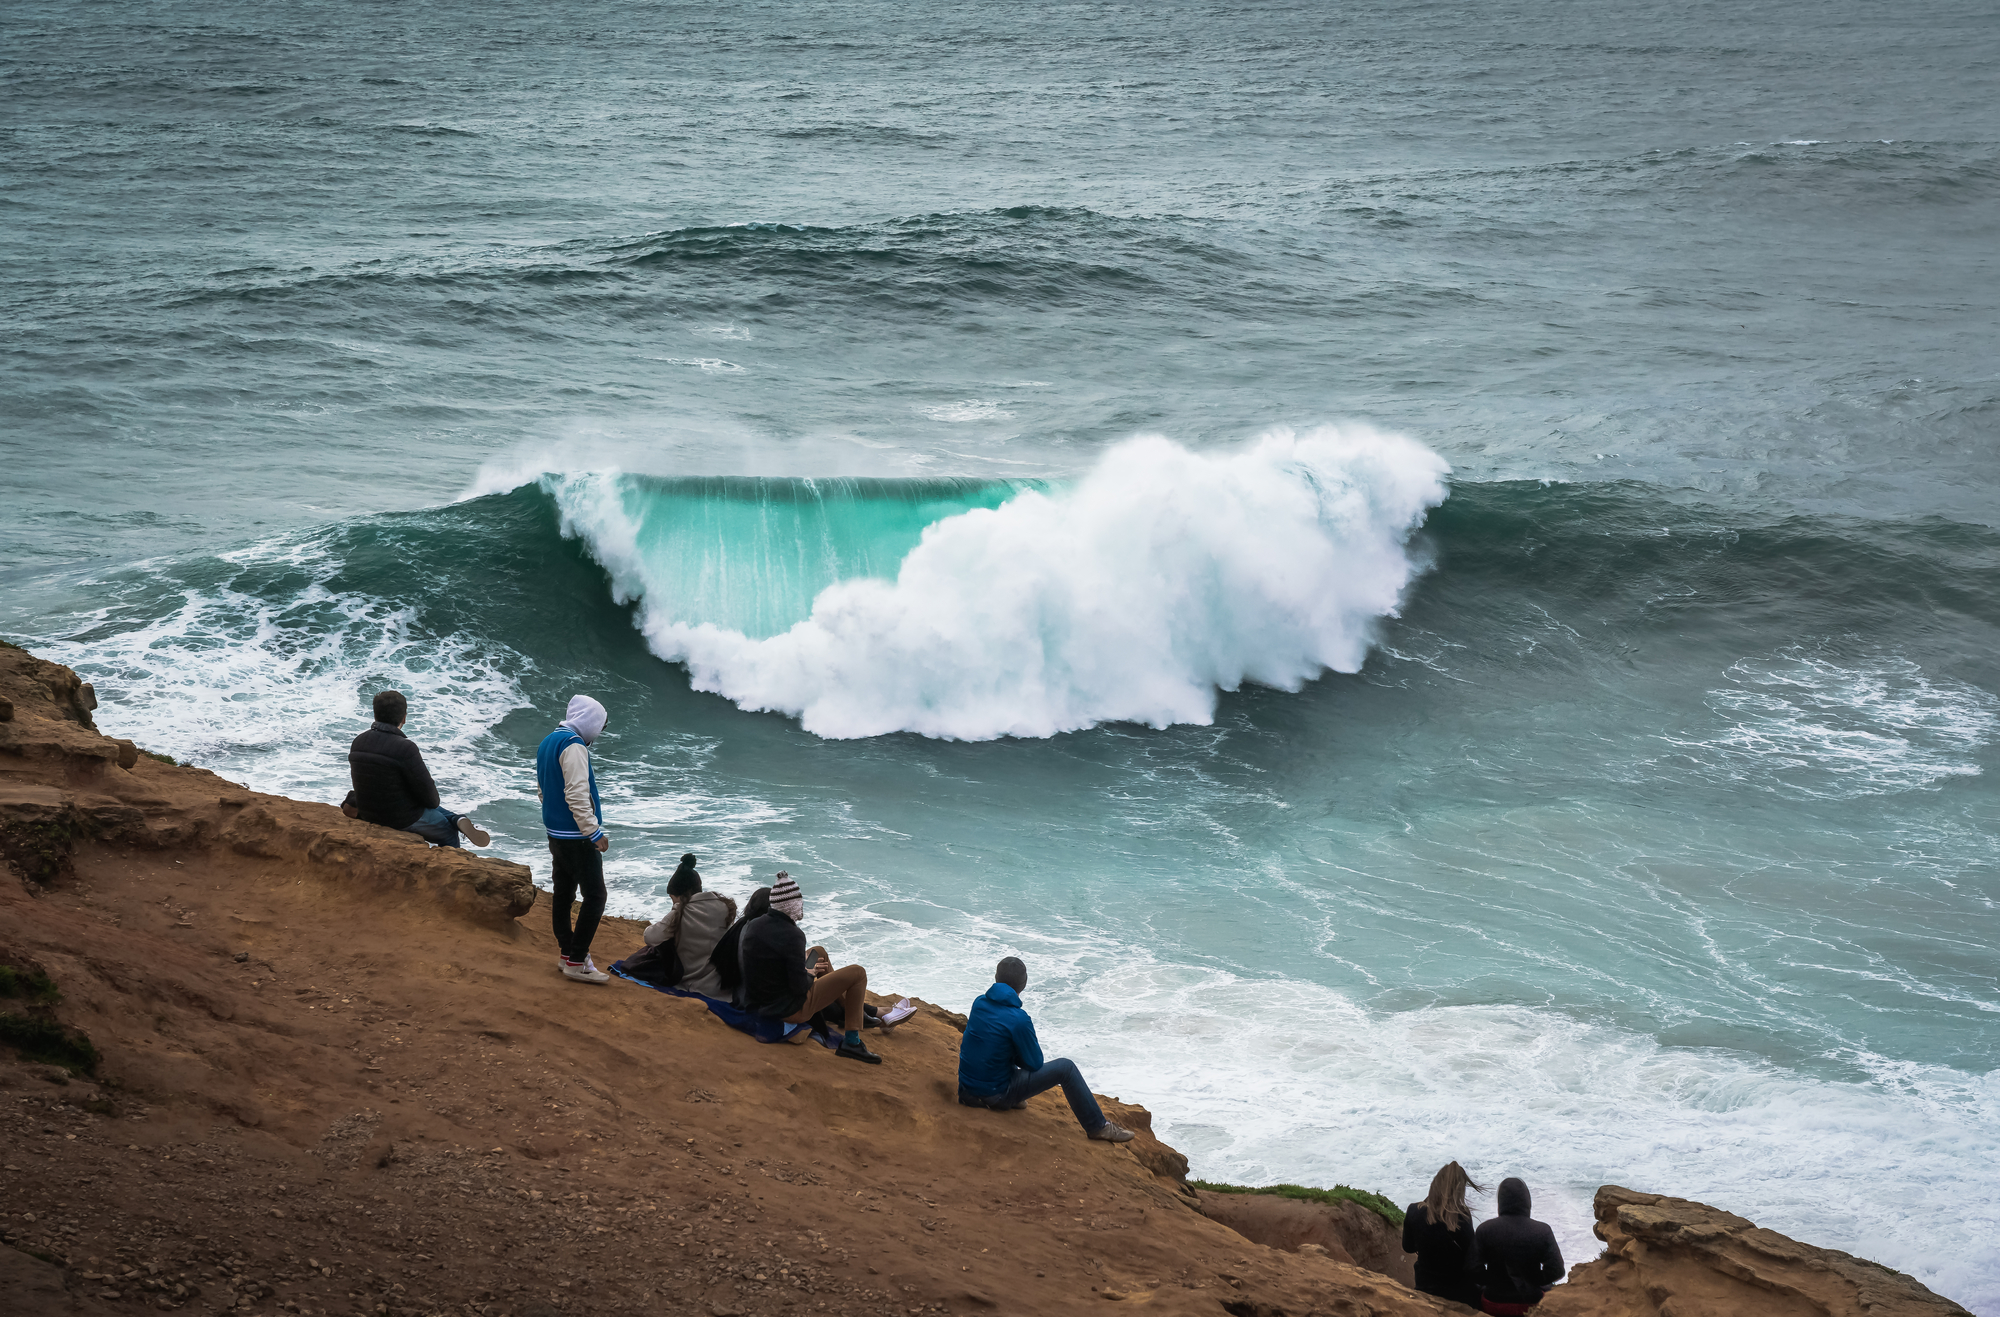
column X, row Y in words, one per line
column 1431, row 567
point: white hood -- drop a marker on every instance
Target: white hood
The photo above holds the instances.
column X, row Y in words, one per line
column 586, row 716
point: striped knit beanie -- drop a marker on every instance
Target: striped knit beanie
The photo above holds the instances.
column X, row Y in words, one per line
column 786, row 898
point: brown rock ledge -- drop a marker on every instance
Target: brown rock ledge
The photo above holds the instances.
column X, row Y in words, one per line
column 1345, row 1231
column 1671, row 1257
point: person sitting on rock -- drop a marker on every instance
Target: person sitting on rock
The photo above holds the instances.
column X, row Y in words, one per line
column 1439, row 1231
column 727, row 956
column 391, row 785
column 1518, row 1258
column 1000, row 1063
column 696, row 922
column 777, row 981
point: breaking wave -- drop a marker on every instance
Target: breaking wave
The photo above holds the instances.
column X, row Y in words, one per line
column 1134, row 594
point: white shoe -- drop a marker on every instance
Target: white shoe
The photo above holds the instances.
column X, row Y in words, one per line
column 898, row 1013
column 473, row 833
column 584, row 972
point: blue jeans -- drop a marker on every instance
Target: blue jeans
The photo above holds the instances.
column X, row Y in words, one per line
column 437, row 826
column 1027, row 1083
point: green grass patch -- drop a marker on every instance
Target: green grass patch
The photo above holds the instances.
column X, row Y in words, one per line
column 164, row 759
column 1340, row 1193
column 32, row 984
column 48, row 1043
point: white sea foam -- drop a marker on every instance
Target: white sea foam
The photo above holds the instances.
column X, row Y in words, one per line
column 1803, row 724
column 969, row 409
column 267, row 690
column 711, row 365
column 1159, row 578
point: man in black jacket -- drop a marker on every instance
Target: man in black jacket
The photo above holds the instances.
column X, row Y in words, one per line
column 391, row 785
column 778, row 982
column 1518, row 1257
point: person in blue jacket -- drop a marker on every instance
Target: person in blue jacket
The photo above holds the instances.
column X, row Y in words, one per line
column 1000, row 1063
column 572, row 815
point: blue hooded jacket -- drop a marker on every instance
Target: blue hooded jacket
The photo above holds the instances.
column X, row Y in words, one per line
column 557, row 820
column 999, row 1036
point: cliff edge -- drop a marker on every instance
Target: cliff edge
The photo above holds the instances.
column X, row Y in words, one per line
column 1672, row 1257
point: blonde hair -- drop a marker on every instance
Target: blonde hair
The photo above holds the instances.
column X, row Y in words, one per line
column 1446, row 1204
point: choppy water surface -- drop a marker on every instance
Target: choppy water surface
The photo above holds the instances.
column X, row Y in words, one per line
column 1432, row 569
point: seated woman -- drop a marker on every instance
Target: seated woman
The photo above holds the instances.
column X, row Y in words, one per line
column 1439, row 1231
column 697, row 921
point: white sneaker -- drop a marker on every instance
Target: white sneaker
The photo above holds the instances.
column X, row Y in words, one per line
column 473, row 833
column 898, row 1013
column 584, row 972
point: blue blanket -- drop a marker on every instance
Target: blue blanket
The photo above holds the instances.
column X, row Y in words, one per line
column 761, row 1027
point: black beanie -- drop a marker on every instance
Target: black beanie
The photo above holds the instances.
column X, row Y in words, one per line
column 1011, row 972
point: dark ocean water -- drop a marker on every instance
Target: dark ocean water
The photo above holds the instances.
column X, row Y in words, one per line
column 993, row 463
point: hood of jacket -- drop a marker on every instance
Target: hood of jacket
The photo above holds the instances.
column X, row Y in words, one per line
column 1002, row 995
column 1513, row 1198
column 585, row 717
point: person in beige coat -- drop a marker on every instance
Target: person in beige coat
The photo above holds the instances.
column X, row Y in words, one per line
column 698, row 920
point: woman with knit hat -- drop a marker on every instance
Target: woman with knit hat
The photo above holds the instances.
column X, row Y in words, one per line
column 696, row 923
column 777, row 982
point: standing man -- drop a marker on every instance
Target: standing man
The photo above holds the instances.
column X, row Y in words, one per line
column 1000, row 1063
column 393, row 788
column 572, row 815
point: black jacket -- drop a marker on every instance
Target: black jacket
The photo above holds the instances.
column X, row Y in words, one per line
column 391, row 785
column 1447, row 1260
column 726, row 959
column 773, row 954
column 1518, row 1257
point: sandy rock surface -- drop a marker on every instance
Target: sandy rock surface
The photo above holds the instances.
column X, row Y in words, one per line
column 1346, row 1232
column 1671, row 1257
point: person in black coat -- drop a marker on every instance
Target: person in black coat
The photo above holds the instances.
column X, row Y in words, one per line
column 1439, row 1231
column 778, row 982
column 1518, row 1257
column 727, row 956
column 392, row 786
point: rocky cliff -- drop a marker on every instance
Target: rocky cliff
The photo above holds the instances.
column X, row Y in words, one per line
column 1670, row 1257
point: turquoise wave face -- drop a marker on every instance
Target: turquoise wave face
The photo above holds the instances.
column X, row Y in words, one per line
column 751, row 554
column 1156, row 579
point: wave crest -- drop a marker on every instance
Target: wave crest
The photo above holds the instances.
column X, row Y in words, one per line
column 1133, row 595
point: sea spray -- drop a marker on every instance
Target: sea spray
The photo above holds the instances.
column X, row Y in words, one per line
column 1160, row 577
